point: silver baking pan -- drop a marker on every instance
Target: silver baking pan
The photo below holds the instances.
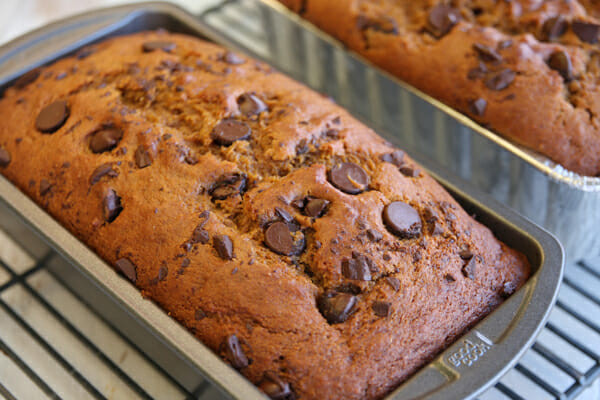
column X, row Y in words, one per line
column 465, row 369
column 563, row 202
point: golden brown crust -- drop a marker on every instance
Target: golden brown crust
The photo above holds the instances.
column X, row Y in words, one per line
column 140, row 202
column 539, row 109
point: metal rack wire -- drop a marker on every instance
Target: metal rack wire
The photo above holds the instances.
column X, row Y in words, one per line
column 61, row 340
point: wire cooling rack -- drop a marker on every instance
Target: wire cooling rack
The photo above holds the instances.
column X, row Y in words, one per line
column 61, row 340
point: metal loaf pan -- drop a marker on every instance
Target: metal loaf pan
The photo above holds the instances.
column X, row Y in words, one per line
column 563, row 202
column 469, row 366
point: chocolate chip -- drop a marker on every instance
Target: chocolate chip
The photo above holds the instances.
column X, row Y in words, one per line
column 103, row 170
column 478, row 106
column 4, row 157
column 190, row 158
column 315, row 208
column 105, row 139
column 508, row 289
column 112, row 206
column 396, row 157
column 409, row 171
column 279, row 238
column 229, row 185
column 383, row 24
column 250, row 104
column 299, row 203
column 158, row 45
column 470, row 268
column 465, row 254
column 185, row 263
column 229, row 130
column 200, row 235
column 374, row 235
column 554, row 28
column 142, row 157
column 381, row 308
column 504, row 44
column 332, row 133
column 478, row 72
column 162, row 273
column 449, row 278
column 199, row 314
column 336, row 307
column 486, row 53
column 356, row 268
column 45, row 187
column 586, row 31
column 349, row 178
column 27, row 78
column 302, row 147
column 284, row 215
column 52, row 117
column 232, row 58
column 127, row 268
column 204, row 216
column 85, row 52
column 234, row 352
column 561, row 62
column 442, row 19
column 274, row 387
column 500, row 80
column 393, row 282
column 224, row 246
column 402, row 220
column 61, row 76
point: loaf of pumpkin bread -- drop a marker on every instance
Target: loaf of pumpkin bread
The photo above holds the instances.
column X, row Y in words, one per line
column 305, row 250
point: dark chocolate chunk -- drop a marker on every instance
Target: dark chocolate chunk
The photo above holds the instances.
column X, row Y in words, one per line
column 561, row 62
column 229, row 130
column 500, row 80
column 105, row 169
column 315, row 208
column 586, row 31
column 229, row 185
column 27, row 78
column 402, row 220
column 470, row 268
column 356, row 268
column 554, row 28
column 185, row 263
column 45, row 187
column 234, row 352
column 279, row 238
column 381, row 308
column 332, row 133
column 508, row 289
column 142, row 157
column 105, row 139
column 336, row 307
column 199, row 314
column 284, row 215
column 393, row 282
column 274, row 387
column 442, row 19
column 224, row 246
column 409, row 171
column 162, row 273
column 112, row 206
column 158, row 45
column 477, row 72
column 396, row 157
column 486, row 53
column 4, row 157
column 465, row 254
column 382, row 24
column 52, row 117
column 449, row 278
column 200, row 235
column 299, row 203
column 349, row 178
column 127, row 268
column 250, row 104
column 232, row 58
column 478, row 106
column 374, row 235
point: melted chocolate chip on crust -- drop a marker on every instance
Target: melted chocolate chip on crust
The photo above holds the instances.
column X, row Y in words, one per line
column 278, row 237
column 232, row 58
column 349, row 177
column 228, row 131
column 381, row 308
column 336, row 307
column 275, row 387
column 250, row 104
column 396, row 157
column 45, row 187
column 357, row 268
column 105, row 169
column 554, row 28
column 235, row 353
column 402, row 220
column 158, row 45
column 127, row 268
column 470, row 268
column 27, row 78
column 393, row 282
column 561, row 62
column 142, row 157
column 586, row 31
column 501, row 80
column 229, row 185
column 486, row 53
column 224, row 246
column 315, row 208
column 52, row 117
column 478, row 106
column 442, row 19
column 383, row 24
column 112, row 206
column 105, row 139
column 4, row 157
